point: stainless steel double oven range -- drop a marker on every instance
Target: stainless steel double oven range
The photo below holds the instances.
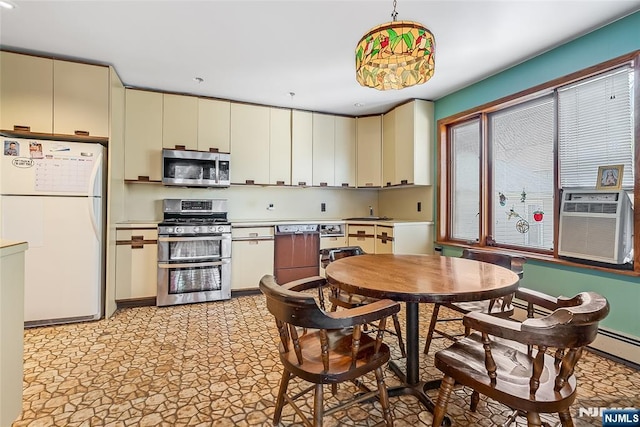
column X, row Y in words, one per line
column 194, row 252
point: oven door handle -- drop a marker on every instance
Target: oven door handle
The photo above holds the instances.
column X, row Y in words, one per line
column 193, row 264
column 192, row 238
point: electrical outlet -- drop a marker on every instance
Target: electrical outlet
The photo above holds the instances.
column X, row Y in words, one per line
column 323, row 207
column 270, row 207
column 419, row 206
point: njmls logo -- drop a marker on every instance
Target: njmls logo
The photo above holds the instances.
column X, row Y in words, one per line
column 621, row 417
column 598, row 411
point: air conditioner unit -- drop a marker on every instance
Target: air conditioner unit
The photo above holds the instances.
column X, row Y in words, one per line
column 596, row 225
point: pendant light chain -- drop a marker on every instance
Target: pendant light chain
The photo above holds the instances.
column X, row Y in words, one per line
column 394, row 14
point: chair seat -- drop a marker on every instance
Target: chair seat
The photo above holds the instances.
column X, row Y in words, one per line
column 464, row 361
column 340, row 357
column 482, row 307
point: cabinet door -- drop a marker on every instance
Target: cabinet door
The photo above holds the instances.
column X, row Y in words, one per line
column 363, row 236
column 323, row 150
column 252, row 259
column 388, row 149
column 136, row 264
column 404, row 144
column 26, row 92
column 250, row 144
column 345, row 152
column 214, row 124
column 301, row 148
column 180, row 121
column 369, row 145
column 80, row 99
column 280, row 147
column 384, row 239
column 143, row 135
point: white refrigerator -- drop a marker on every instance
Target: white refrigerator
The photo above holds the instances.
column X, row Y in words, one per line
column 51, row 197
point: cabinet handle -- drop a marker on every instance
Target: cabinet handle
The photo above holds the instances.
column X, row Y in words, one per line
column 144, row 178
column 137, row 237
column 302, row 182
column 323, row 184
column 279, row 182
column 181, row 147
column 388, row 184
column 404, row 182
column 137, row 245
column 345, row 184
column 213, row 150
column 369, row 184
column 81, row 133
column 253, row 234
column 249, row 181
column 22, row 128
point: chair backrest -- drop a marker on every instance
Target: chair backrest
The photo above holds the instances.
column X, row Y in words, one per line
column 503, row 260
column 344, row 252
column 573, row 322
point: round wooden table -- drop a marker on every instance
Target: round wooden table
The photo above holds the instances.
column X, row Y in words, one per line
column 418, row 279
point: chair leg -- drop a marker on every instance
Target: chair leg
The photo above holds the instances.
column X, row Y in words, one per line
column 284, row 383
column 432, row 326
column 533, row 419
column 475, row 399
column 384, row 398
column 565, row 418
column 443, row 397
column 396, row 324
column 318, row 411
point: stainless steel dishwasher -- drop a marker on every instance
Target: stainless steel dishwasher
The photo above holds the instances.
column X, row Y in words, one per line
column 296, row 249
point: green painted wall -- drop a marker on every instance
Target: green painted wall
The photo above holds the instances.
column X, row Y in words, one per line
column 616, row 39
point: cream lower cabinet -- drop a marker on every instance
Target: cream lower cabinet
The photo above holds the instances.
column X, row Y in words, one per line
column 136, row 263
column 363, row 236
column 251, row 256
column 397, row 238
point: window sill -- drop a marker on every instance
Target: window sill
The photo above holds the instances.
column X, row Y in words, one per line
column 544, row 258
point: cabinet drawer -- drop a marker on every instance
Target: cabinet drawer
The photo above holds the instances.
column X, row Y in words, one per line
column 361, row 230
column 333, row 242
column 252, row 232
column 136, row 238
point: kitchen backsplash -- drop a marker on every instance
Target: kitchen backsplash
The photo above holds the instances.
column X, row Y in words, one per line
column 144, row 202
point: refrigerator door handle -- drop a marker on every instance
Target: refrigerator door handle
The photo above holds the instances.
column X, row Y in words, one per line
column 95, row 215
column 95, row 181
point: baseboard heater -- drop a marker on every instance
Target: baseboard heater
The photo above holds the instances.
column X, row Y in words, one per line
column 613, row 345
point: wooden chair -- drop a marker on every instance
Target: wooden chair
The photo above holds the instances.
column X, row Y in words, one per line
column 326, row 348
column 340, row 298
column 499, row 360
column 500, row 307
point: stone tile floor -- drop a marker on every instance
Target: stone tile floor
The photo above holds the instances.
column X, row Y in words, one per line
column 216, row 364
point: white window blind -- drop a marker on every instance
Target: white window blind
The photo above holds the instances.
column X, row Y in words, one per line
column 521, row 140
column 595, row 128
column 465, row 181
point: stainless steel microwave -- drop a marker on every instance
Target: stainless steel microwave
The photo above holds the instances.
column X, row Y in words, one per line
column 187, row 168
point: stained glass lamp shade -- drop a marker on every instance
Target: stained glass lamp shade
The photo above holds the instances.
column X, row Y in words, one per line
column 395, row 55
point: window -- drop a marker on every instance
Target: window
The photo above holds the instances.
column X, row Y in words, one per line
column 506, row 163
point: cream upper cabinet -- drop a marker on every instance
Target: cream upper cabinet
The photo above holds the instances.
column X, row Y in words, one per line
column 143, row 135
column 214, row 124
column 80, row 99
column 323, row 149
column 180, row 121
column 369, row 151
column 250, row 133
column 26, row 91
column 408, row 144
column 280, row 147
column 51, row 96
column 345, row 152
column 301, row 148
column 389, row 148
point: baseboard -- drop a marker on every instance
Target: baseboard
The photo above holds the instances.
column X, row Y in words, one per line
column 611, row 344
column 135, row 302
column 244, row 292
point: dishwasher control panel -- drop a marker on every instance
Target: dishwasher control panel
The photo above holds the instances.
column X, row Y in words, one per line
column 296, row 228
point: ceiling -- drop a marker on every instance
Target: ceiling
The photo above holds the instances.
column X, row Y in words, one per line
column 262, row 51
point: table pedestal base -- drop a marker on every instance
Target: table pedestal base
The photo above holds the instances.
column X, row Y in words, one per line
column 417, row 390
